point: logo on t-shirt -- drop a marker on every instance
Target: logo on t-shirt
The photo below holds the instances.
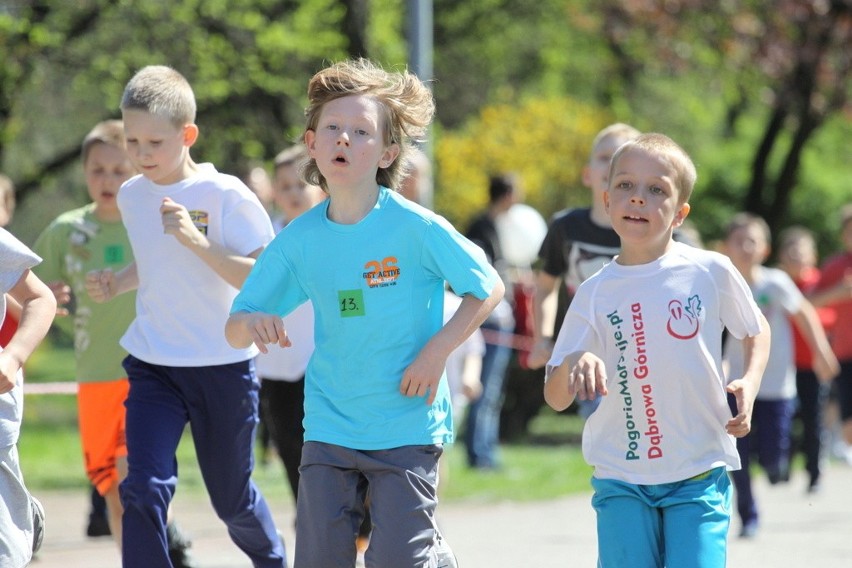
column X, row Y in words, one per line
column 200, row 219
column 683, row 319
column 379, row 274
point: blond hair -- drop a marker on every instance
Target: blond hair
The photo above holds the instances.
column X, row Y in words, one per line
column 618, row 131
column 109, row 132
column 163, row 92
column 661, row 145
column 295, row 155
column 407, row 105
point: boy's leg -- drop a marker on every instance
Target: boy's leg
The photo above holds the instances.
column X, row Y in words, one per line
column 283, row 403
column 403, row 498
column 482, row 430
column 222, row 402
column 330, row 506
column 775, row 439
column 746, row 505
column 630, row 528
column 17, row 527
column 813, row 398
column 101, row 417
column 696, row 518
column 156, row 417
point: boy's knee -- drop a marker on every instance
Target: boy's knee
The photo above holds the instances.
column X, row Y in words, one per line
column 139, row 492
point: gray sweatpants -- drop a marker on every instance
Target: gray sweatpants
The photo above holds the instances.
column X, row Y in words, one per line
column 402, row 487
column 16, row 513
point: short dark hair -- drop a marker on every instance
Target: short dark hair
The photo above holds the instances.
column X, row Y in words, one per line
column 501, row 185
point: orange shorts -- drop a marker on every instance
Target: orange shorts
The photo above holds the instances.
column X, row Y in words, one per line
column 102, row 417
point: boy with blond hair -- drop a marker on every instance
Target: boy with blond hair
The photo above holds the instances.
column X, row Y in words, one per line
column 662, row 439
column 578, row 243
column 374, row 264
column 76, row 242
column 195, row 234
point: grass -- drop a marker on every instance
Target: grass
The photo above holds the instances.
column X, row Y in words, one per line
column 544, row 465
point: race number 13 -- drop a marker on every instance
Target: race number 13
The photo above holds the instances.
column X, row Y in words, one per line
column 351, row 303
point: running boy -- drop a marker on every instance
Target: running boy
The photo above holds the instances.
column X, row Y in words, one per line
column 75, row 243
column 662, row 439
column 747, row 242
column 21, row 515
column 195, row 234
column 377, row 409
column 578, row 243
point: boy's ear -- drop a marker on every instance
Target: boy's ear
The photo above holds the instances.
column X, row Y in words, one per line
column 681, row 215
column 606, row 201
column 309, row 138
column 585, row 176
column 190, row 134
column 391, row 152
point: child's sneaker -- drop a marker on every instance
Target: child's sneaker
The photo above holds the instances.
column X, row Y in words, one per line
column 446, row 558
column 38, row 523
column 179, row 545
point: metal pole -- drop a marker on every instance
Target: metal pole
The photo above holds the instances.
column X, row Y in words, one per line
column 420, row 46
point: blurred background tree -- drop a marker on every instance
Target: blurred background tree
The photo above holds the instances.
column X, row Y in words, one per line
column 756, row 90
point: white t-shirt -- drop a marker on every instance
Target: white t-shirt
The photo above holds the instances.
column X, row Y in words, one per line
column 289, row 363
column 473, row 346
column 658, row 329
column 182, row 304
column 778, row 297
column 15, row 258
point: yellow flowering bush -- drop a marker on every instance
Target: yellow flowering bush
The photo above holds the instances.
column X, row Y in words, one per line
column 546, row 141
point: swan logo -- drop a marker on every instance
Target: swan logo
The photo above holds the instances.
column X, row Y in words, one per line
column 683, row 320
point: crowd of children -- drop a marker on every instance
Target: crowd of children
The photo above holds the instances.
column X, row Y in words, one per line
column 227, row 317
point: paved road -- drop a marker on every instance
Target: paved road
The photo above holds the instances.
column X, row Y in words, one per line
column 797, row 530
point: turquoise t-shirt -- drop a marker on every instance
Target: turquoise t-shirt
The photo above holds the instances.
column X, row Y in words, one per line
column 377, row 288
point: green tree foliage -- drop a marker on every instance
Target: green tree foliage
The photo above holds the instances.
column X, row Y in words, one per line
column 756, row 90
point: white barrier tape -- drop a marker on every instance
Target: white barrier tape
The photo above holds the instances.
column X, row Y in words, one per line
column 50, row 388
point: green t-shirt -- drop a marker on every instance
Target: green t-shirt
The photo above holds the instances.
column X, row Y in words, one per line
column 75, row 243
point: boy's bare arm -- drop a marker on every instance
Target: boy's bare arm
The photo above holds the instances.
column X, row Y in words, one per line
column 422, row 376
column 838, row 293
column 104, row 285
column 581, row 374
column 825, row 364
column 545, row 285
column 231, row 267
column 38, row 306
column 244, row 328
column 744, row 389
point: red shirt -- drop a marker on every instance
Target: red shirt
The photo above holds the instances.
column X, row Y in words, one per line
column 833, row 271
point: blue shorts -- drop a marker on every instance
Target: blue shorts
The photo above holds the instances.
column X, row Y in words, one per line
column 679, row 525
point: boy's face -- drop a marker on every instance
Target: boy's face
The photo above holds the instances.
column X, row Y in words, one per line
column 292, row 195
column 596, row 172
column 348, row 143
column 106, row 168
column 799, row 253
column 747, row 246
column 643, row 202
column 157, row 148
